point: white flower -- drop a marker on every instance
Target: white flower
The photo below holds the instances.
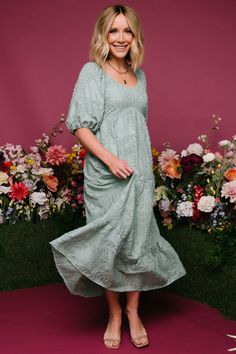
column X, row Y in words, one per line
column 224, row 143
column 185, row 209
column 209, row 157
column 45, row 171
column 206, row 204
column 234, row 137
column 39, row 197
column 184, row 153
column 4, row 189
column 159, row 193
column 195, row 149
column 20, row 168
column 3, row 177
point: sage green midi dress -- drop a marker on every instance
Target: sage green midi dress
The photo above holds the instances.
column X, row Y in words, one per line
column 120, row 247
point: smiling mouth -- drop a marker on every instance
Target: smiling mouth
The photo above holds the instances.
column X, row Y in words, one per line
column 119, row 46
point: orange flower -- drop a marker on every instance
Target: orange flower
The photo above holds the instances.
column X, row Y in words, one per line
column 171, row 168
column 51, row 182
column 230, row 174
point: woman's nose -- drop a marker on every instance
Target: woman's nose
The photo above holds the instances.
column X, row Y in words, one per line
column 120, row 37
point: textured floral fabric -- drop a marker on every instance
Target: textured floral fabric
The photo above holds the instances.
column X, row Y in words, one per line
column 120, row 247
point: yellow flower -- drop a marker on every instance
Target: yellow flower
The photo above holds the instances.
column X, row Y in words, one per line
column 155, row 153
column 30, row 162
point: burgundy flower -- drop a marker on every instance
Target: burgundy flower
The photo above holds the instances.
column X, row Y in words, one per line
column 188, row 162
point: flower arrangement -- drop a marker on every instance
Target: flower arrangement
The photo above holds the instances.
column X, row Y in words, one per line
column 197, row 186
column 44, row 181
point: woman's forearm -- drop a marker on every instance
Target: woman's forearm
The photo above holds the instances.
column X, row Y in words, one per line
column 93, row 145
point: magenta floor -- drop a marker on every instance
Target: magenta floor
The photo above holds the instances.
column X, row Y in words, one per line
column 48, row 320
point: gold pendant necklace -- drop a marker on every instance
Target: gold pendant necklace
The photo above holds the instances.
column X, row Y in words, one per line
column 119, row 72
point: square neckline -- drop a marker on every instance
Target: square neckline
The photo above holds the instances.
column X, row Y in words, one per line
column 119, row 83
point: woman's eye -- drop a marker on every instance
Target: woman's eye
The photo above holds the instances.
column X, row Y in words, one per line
column 112, row 31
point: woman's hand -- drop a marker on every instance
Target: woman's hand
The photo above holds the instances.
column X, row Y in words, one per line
column 119, row 167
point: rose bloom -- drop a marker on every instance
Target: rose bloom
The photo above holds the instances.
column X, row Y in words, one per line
column 230, row 174
column 229, row 191
column 51, row 182
column 206, row 203
column 19, row 191
column 171, row 168
column 195, row 149
column 56, row 155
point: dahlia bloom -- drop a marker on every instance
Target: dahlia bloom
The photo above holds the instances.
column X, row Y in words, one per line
column 229, row 191
column 19, row 191
column 166, row 156
column 206, row 203
column 56, row 155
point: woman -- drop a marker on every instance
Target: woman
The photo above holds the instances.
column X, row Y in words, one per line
column 120, row 248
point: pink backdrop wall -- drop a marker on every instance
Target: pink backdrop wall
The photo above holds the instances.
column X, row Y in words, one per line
column 189, row 63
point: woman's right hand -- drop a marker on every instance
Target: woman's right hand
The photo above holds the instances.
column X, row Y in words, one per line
column 120, row 168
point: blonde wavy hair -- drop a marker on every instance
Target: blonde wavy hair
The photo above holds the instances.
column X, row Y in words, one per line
column 99, row 47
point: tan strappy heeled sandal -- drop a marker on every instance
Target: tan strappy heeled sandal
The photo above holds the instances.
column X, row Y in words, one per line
column 140, row 345
column 115, row 343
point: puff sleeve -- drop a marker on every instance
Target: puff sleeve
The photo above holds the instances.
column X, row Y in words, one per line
column 87, row 103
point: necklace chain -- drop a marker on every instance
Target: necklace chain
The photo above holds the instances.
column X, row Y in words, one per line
column 120, row 72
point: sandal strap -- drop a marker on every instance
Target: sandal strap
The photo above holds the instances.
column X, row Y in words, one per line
column 113, row 339
column 140, row 337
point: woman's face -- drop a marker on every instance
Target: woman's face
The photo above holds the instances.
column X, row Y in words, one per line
column 119, row 37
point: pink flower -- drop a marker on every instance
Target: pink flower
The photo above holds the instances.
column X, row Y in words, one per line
column 19, row 191
column 218, row 155
column 229, row 191
column 80, row 198
column 56, row 155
